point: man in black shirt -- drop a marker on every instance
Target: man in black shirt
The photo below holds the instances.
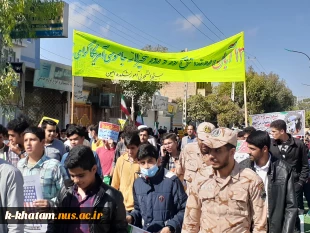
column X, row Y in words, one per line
column 294, row 152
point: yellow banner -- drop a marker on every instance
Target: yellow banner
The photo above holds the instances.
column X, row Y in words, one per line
column 97, row 57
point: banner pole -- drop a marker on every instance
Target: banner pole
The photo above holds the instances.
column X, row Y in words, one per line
column 245, row 105
column 72, row 100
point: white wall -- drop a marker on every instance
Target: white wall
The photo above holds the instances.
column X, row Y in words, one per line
column 163, row 121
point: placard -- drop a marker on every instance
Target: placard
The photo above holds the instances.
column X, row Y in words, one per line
column 241, row 151
column 108, row 131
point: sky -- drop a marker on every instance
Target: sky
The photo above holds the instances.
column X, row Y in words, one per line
column 269, row 27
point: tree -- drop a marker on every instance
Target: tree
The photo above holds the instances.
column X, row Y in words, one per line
column 16, row 18
column 198, row 109
column 265, row 93
column 142, row 92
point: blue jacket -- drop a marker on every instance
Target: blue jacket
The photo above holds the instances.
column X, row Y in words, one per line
column 159, row 201
column 99, row 170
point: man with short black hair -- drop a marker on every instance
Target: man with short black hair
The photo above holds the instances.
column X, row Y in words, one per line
column 50, row 171
column 76, row 136
column 294, row 152
column 278, row 179
column 16, row 128
column 54, row 148
column 247, row 131
column 88, row 194
column 191, row 137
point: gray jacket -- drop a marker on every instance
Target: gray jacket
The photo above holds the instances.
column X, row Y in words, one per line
column 11, row 194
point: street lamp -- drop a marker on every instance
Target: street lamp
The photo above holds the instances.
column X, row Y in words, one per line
column 293, row 51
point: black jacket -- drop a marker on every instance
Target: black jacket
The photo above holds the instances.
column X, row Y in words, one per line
column 296, row 156
column 108, row 201
column 282, row 205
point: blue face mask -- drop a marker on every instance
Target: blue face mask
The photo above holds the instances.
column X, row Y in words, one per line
column 149, row 172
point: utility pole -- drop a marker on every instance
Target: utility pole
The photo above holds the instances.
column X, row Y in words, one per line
column 184, row 118
column 233, row 92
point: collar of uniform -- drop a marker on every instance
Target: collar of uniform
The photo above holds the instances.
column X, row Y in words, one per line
column 39, row 163
column 235, row 174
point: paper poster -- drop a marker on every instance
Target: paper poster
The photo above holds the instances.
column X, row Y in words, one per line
column 32, row 192
column 241, row 151
column 133, row 229
column 108, row 131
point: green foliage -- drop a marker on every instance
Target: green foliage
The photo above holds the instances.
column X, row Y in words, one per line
column 143, row 91
column 198, row 109
column 16, row 16
column 265, row 93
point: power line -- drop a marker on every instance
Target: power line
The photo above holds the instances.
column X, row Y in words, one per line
column 132, row 26
column 105, row 27
column 208, row 18
column 189, row 21
column 260, row 64
column 200, row 19
column 55, row 54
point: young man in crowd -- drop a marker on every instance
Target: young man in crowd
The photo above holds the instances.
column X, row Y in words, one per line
column 4, row 149
column 11, row 195
column 278, row 179
column 63, row 135
column 191, row 137
column 88, row 194
column 127, row 168
column 16, row 128
column 247, row 131
column 50, row 171
column 54, row 148
column 169, row 152
column 224, row 196
column 75, row 135
column 106, row 157
column 194, row 156
column 294, row 152
column 96, row 142
column 68, row 144
column 159, row 196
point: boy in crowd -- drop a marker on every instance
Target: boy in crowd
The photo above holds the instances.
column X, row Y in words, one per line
column 170, row 153
column 87, row 193
column 76, row 136
column 159, row 196
column 16, row 128
column 106, row 157
column 127, row 168
column 50, row 171
column 4, row 149
column 96, row 142
column 63, row 135
column 54, row 148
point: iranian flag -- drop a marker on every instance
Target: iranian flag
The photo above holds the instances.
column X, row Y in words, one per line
column 124, row 107
column 139, row 119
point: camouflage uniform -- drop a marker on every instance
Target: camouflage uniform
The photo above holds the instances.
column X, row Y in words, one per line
column 231, row 205
column 190, row 162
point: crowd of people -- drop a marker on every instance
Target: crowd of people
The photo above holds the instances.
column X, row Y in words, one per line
column 159, row 183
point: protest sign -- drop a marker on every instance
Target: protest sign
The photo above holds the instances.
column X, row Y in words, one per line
column 101, row 58
column 108, row 131
column 241, row 151
column 122, row 123
column 32, row 192
column 295, row 121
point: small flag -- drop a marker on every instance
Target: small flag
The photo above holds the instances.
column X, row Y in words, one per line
column 123, row 106
column 139, row 119
column 156, row 128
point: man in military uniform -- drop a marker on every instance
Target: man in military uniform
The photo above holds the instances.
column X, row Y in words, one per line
column 194, row 155
column 225, row 197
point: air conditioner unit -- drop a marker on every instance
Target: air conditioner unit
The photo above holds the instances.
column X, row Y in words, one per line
column 106, row 100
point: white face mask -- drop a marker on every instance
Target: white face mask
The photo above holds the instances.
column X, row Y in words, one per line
column 89, row 135
column 63, row 138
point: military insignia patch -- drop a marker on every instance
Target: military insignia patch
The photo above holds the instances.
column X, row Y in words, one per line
column 261, row 187
column 207, row 129
column 216, row 132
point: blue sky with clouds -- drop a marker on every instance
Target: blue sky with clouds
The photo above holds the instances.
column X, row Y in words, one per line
column 269, row 26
